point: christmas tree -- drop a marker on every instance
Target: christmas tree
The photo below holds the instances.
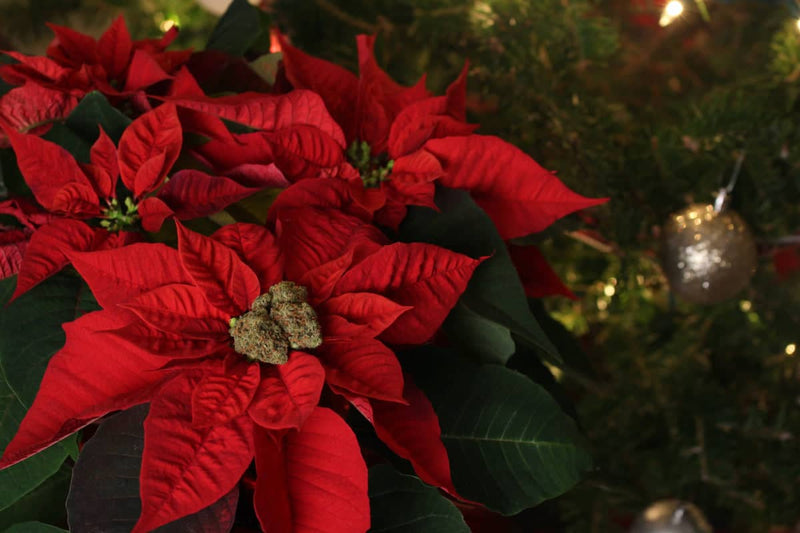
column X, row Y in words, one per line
column 671, row 341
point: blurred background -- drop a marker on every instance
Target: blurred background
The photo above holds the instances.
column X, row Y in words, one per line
column 656, row 105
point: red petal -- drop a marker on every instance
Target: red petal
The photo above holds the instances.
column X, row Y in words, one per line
column 301, row 151
column 143, row 72
column 418, row 167
column 270, row 112
column 288, row 393
column 325, row 193
column 118, row 275
column 186, row 468
column 421, row 121
column 426, row 277
column 221, row 396
column 154, row 212
column 786, row 262
column 114, row 48
column 195, row 194
column 164, row 344
column 314, row 481
column 366, row 314
column 335, row 85
column 227, row 283
column 536, row 274
column 38, row 69
column 520, row 196
column 12, row 247
column 180, row 310
column 362, row 366
column 257, row 175
column 33, row 108
column 71, row 48
column 46, row 251
column 184, row 85
column 148, row 136
column 316, row 237
column 93, row 374
column 457, row 96
column 412, row 431
column 380, row 97
column 104, row 155
column 247, row 148
column 257, row 247
column 54, row 176
column 322, row 279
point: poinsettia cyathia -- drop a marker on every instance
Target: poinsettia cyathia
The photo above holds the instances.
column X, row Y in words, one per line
column 90, row 211
column 231, row 338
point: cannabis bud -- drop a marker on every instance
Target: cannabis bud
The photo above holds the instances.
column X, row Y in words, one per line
column 278, row 320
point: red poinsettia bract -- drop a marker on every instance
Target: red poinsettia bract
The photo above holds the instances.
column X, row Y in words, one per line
column 191, row 331
column 114, row 64
column 402, row 140
column 79, row 193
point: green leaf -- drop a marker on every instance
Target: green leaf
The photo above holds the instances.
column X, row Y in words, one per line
column 479, row 337
column 30, row 330
column 20, row 479
column 239, row 29
column 10, row 176
column 404, row 504
column 34, row 527
column 575, row 359
column 93, row 111
column 67, row 138
column 495, row 291
column 45, row 503
column 510, row 445
column 266, row 66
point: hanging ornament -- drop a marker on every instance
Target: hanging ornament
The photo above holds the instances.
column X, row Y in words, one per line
column 671, row 516
column 708, row 253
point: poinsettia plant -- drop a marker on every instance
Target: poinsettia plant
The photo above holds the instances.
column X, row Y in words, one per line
column 287, row 305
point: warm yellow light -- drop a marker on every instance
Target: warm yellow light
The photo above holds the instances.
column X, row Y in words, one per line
column 798, row 24
column 745, row 305
column 672, row 10
column 602, row 305
column 790, row 349
column 166, row 25
column 609, row 290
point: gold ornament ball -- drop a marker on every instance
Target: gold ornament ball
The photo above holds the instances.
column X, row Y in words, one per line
column 671, row 516
column 707, row 256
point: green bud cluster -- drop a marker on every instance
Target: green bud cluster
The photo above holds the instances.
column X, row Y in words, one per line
column 373, row 170
column 118, row 217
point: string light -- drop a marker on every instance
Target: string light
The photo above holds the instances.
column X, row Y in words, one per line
column 166, row 25
column 798, row 24
column 790, row 349
column 672, row 10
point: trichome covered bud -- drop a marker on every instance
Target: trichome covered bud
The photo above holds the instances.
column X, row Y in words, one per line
column 278, row 319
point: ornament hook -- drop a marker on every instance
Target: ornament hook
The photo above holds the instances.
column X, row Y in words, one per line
column 723, row 195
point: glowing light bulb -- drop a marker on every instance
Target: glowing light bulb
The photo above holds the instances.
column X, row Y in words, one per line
column 672, row 10
column 166, row 25
column 790, row 349
column 798, row 24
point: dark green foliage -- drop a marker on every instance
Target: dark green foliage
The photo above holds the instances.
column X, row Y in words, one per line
column 404, row 504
